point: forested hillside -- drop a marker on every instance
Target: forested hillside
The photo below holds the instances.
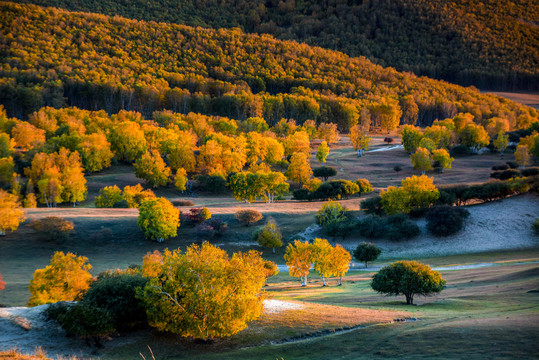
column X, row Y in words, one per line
column 58, row 58
column 492, row 44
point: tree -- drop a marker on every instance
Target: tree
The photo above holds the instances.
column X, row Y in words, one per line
column 421, row 160
column 408, row 278
column 95, row 152
column 127, row 141
column 297, row 142
column 339, row 262
column 329, row 133
column 501, row 142
column 269, row 236
column 411, row 136
column 135, row 195
column 441, row 157
column 365, row 186
column 203, row 293
column 331, row 213
column 248, row 216
column 321, row 257
column 180, row 180
column 27, row 136
column 415, row 193
column 366, row 252
column 522, row 156
column 322, row 152
column 158, row 219
column 11, row 213
column 66, row 278
column 152, row 264
column 359, row 138
column 473, row 136
column 7, row 167
column 298, row 257
column 324, row 172
column 108, row 197
column 151, row 168
column 2, row 283
column 299, row 169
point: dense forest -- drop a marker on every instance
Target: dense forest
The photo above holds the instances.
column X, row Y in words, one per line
column 492, row 44
column 57, row 58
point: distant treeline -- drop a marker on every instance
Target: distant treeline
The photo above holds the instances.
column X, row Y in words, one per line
column 57, row 58
column 492, row 44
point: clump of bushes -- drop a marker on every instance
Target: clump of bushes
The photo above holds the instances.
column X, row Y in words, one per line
column 373, row 205
column 53, row 228
column 330, row 190
column 130, row 197
column 269, row 235
column 445, row 220
column 500, row 167
column 248, row 216
column 506, row 174
column 489, row 191
column 198, row 215
column 394, row 227
column 214, row 184
column 212, row 228
column 183, row 203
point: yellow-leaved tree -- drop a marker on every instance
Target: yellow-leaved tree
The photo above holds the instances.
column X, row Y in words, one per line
column 421, row 160
column 321, row 256
column 299, row 169
column 151, row 168
column 298, row 257
column 204, row 293
column 415, row 193
column 339, row 262
column 11, row 213
column 359, row 138
column 158, row 219
column 66, row 278
column 322, row 152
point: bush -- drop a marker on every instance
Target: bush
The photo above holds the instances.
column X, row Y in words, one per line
column 53, row 228
column 269, row 236
column 535, row 226
column 446, row 198
column 214, row 184
column 513, row 164
column 364, row 185
column 183, row 203
column 366, row 252
column 116, row 294
column 500, row 167
column 505, row 175
column 302, row 194
column 459, row 150
column 395, row 227
column 371, row 227
column 531, row 171
column 83, row 321
column 198, row 215
column 373, row 205
column 445, row 220
column 248, row 216
column 331, row 212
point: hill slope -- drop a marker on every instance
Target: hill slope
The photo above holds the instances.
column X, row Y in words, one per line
column 56, row 58
column 492, row 44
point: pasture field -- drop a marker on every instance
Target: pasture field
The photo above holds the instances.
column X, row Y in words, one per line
column 487, row 312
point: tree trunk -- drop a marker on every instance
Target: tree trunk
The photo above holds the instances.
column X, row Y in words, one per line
column 323, row 281
column 274, row 250
column 366, row 265
column 409, row 299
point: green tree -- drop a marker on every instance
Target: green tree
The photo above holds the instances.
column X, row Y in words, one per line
column 158, row 219
column 415, row 193
column 331, row 213
column 66, row 278
column 411, row 136
column 11, row 213
column 298, row 257
column 421, row 160
column 269, row 236
column 203, row 293
column 408, row 278
column 322, row 152
column 442, row 158
column 151, row 168
column 501, row 142
column 366, row 252
column 127, row 141
column 324, row 172
column 108, row 197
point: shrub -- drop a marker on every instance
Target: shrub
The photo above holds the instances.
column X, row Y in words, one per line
column 371, row 227
column 505, row 175
column 388, row 140
column 134, row 195
column 445, row 220
column 331, row 212
column 531, row 171
column 366, row 252
column 408, row 278
column 364, row 185
column 198, row 215
column 183, row 203
column 460, row 150
column 214, row 184
column 301, row 194
column 83, row 321
column 500, row 167
column 535, row 226
column 218, row 226
column 446, row 198
column 53, row 228
column 108, row 196
column 398, row 227
column 372, row 205
column 513, row 164
column 248, row 216
column 116, row 294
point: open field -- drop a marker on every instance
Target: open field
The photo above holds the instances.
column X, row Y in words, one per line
column 525, row 98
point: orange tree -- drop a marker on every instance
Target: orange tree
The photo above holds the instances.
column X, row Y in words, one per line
column 408, row 278
column 298, row 257
column 11, row 213
column 204, row 293
column 66, row 278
